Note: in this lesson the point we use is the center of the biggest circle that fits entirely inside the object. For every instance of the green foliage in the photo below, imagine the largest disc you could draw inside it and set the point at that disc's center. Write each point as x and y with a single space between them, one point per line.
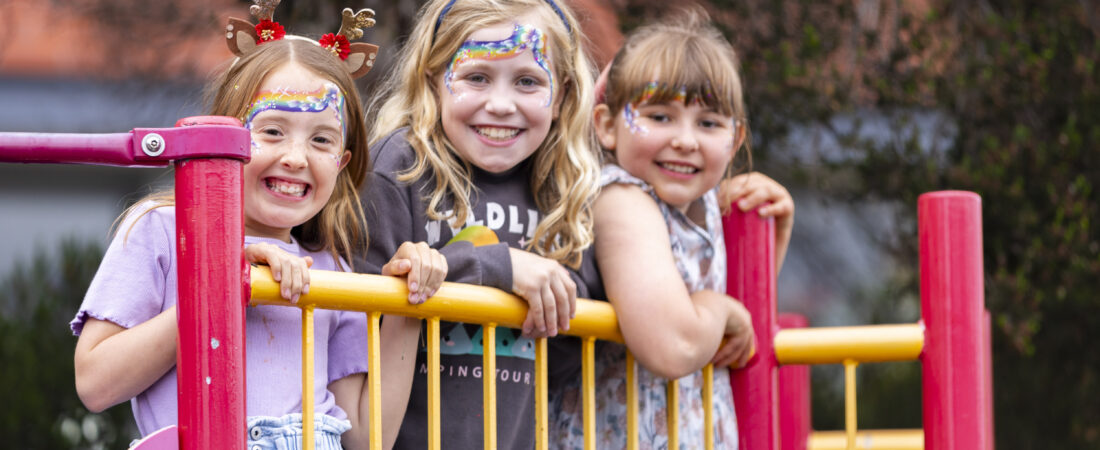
37 300
1018 84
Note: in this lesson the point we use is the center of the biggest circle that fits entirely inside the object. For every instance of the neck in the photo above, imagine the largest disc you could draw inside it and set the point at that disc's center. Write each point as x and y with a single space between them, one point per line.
264 231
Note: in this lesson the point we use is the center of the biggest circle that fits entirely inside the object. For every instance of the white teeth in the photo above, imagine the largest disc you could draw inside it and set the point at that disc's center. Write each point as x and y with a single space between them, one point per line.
497 133
679 168
288 188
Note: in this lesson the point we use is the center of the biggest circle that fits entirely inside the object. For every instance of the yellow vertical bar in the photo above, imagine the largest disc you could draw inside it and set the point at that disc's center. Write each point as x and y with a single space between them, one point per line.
307 377
850 401
588 379
488 375
708 406
374 377
542 417
433 384
631 402
673 394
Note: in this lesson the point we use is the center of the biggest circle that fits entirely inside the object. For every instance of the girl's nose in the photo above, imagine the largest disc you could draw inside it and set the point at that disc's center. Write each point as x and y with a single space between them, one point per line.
294 156
500 102
685 141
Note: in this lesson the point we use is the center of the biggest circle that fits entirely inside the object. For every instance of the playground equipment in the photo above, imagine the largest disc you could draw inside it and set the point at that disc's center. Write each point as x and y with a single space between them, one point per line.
208 154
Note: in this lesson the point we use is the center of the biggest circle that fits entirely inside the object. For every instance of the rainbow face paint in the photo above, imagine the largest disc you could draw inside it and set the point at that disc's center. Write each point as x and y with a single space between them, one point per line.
524 37
329 96
648 93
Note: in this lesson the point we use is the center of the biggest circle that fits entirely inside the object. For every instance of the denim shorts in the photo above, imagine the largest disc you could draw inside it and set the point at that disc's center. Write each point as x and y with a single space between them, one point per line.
285 433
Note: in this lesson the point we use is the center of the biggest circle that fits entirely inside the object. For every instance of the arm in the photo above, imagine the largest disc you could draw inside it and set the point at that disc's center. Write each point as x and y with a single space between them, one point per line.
398 216
114 364
751 190
422 266
127 336
671 332
399 338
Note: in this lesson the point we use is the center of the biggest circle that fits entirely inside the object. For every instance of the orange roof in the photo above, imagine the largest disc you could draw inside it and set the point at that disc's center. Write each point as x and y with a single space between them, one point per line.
89 39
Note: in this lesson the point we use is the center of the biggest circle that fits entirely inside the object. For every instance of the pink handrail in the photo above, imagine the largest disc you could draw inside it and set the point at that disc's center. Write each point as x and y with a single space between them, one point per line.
209 153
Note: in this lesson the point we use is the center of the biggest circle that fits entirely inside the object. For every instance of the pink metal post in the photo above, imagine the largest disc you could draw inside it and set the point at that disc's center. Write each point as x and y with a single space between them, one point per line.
750 250
210 239
952 298
794 395
208 152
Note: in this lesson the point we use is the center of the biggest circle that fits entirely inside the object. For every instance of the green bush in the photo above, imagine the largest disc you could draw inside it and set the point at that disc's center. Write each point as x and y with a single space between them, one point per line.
37 301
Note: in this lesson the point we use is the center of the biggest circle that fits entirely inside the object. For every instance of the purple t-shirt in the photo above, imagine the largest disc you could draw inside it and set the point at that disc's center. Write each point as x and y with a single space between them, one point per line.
137 280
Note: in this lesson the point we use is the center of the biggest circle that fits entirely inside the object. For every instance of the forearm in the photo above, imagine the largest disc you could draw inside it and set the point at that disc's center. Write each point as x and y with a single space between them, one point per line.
682 340
399 338
782 241
113 364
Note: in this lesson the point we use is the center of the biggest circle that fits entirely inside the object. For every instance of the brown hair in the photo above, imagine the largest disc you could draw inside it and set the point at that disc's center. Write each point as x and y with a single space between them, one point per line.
565 175
340 226
684 54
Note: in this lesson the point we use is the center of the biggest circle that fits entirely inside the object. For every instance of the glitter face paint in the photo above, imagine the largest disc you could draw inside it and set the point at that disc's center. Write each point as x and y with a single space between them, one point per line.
524 37
651 89
293 101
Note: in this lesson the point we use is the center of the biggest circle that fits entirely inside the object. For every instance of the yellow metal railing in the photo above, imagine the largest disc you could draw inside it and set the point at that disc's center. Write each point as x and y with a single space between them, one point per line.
851 346
377 295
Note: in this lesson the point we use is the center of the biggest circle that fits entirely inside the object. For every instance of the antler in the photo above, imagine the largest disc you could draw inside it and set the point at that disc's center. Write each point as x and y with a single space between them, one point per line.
352 24
263 9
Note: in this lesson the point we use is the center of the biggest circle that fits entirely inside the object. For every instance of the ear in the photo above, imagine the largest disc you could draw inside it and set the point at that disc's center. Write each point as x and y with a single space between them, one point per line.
345 159
739 134
361 58
566 84
240 36
605 126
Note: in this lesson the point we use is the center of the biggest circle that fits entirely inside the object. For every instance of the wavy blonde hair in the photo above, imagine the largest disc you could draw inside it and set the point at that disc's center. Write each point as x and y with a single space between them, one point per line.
340 227
565 175
684 53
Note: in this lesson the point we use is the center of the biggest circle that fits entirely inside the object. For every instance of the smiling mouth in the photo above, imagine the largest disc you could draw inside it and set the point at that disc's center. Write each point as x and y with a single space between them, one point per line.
287 187
678 168
497 133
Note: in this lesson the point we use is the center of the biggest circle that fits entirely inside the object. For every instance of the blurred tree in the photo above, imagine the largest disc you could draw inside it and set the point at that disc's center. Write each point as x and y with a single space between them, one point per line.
37 301
1000 97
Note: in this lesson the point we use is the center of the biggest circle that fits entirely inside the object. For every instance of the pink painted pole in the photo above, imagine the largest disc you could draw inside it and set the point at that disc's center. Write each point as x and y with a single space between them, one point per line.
750 250
794 395
952 298
987 360
210 364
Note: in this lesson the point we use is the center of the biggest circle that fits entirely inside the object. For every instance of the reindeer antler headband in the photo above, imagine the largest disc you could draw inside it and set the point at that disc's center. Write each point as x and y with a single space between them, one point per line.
242 36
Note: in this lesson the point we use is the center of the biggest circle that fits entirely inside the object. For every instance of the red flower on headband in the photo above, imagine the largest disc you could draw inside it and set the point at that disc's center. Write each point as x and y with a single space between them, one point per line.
337 44
269 30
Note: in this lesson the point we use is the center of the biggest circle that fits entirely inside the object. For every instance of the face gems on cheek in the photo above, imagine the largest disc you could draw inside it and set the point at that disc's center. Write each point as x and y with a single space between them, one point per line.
255 147
289 100
523 37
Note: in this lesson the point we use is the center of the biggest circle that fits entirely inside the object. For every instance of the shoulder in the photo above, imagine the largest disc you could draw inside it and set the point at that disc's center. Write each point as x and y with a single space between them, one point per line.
392 153
613 174
147 219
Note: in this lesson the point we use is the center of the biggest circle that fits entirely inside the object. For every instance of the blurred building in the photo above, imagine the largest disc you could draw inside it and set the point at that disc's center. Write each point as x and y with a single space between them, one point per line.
94 67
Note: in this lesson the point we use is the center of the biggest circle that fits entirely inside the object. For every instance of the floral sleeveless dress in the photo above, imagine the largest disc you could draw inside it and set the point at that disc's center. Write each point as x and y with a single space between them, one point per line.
700 255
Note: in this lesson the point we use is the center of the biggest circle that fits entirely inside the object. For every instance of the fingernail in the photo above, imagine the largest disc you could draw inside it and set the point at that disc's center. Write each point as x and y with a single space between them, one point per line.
305 290
413 286
294 300
412 298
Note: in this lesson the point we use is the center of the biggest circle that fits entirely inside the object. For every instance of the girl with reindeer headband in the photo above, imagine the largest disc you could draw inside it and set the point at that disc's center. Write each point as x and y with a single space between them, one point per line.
301 210
486 126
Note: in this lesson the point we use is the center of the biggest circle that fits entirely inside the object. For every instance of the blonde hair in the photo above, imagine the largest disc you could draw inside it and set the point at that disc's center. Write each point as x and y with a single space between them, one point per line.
340 227
565 173
685 54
